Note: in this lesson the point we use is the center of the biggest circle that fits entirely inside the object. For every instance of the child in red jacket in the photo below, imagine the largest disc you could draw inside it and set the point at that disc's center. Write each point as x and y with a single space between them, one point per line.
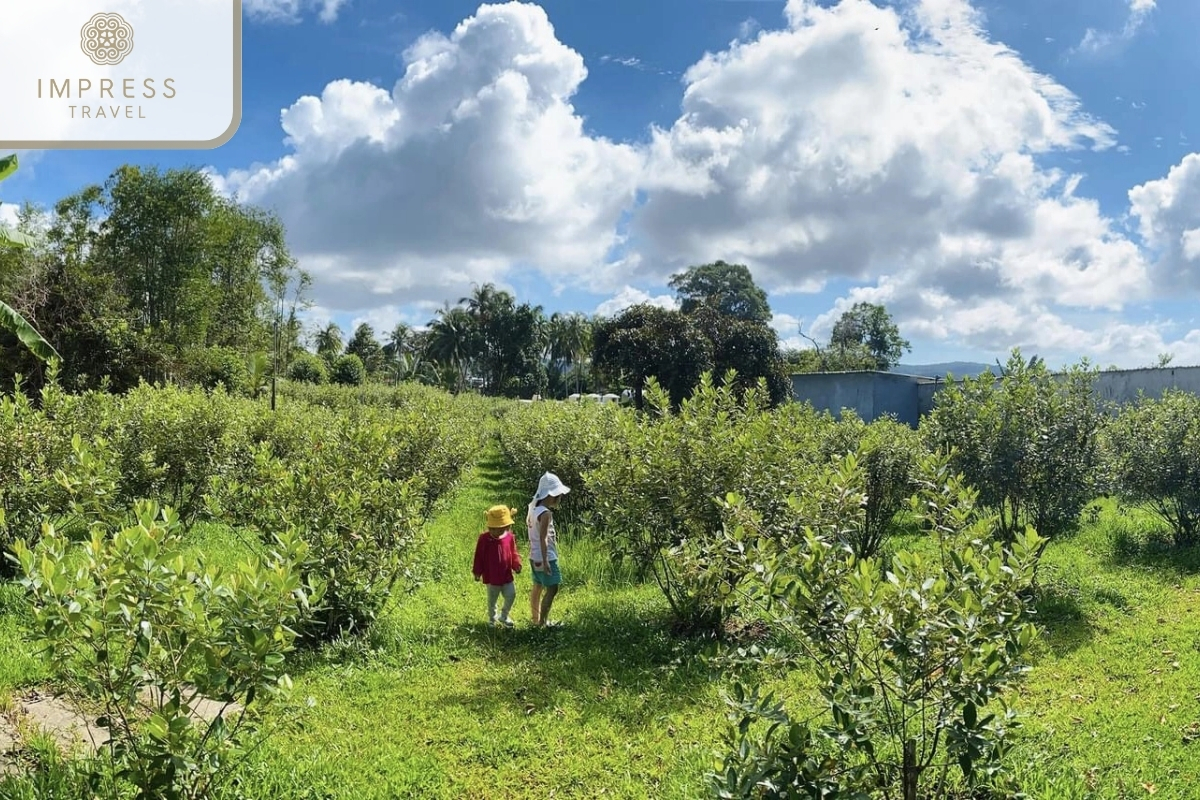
496 559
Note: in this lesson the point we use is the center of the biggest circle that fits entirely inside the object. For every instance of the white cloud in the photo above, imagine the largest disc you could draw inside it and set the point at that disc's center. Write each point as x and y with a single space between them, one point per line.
475 162
292 10
1168 214
8 214
629 296
1095 41
895 148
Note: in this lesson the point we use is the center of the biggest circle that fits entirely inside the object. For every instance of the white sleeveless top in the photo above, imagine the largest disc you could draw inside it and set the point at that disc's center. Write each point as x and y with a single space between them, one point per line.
535 543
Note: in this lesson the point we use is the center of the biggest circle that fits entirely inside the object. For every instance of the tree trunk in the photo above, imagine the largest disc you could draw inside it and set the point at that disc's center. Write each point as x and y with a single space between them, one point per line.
910 771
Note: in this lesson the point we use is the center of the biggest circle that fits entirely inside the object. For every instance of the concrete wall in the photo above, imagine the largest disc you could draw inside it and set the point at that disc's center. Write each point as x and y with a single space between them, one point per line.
869 394
908 397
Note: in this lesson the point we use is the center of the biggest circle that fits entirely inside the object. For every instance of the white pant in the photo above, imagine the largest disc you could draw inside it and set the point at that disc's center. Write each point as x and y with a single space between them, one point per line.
509 590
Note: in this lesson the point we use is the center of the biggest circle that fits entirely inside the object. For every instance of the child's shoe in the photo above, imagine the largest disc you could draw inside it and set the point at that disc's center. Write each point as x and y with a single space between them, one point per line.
508 623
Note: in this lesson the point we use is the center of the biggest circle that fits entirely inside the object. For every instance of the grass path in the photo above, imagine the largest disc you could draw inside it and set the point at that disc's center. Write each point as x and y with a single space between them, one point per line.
440 705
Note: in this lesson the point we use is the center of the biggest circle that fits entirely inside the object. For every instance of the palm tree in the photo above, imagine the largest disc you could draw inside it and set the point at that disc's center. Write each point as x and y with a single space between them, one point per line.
452 339
570 339
486 304
329 341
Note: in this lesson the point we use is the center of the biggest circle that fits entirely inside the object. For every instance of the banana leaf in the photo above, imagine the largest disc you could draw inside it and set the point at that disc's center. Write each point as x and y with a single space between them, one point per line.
12 321
8 165
9 236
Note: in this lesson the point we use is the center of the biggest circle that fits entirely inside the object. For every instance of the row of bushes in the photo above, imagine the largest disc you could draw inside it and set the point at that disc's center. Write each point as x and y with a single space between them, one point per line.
780 516
351 476
336 486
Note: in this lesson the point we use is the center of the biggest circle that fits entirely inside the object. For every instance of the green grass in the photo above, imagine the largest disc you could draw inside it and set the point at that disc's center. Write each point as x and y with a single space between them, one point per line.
440 705
435 704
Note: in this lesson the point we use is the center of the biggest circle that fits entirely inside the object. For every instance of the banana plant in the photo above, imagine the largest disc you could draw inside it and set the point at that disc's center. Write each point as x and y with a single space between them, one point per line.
10 320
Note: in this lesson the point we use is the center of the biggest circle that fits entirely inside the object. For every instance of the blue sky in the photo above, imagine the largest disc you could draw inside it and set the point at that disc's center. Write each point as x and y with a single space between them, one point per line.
580 151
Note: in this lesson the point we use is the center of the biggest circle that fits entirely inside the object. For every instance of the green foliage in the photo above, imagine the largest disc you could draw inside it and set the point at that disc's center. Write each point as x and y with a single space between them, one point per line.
307 368
876 462
866 333
9 319
1152 450
911 661
568 439
658 480
354 506
218 366
348 370
729 289
132 276
645 342
368 349
146 633
1027 441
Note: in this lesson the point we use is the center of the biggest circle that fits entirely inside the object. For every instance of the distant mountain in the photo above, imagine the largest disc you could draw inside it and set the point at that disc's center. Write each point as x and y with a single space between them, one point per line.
959 369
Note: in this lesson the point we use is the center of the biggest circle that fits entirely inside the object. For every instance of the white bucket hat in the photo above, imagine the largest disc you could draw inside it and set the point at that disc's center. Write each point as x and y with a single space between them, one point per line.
550 486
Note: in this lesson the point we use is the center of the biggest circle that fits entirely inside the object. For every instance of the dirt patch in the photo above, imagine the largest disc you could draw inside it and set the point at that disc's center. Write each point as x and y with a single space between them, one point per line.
56 717
72 730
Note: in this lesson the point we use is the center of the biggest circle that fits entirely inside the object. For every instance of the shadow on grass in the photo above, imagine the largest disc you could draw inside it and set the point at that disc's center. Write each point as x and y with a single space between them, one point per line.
617 662
1152 548
1065 626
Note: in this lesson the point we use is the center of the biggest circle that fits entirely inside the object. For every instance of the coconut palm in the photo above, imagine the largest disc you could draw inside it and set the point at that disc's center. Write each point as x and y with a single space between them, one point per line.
329 341
452 340
570 339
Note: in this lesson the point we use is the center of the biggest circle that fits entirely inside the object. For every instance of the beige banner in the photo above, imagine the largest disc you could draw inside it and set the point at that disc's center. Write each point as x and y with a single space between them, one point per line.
107 38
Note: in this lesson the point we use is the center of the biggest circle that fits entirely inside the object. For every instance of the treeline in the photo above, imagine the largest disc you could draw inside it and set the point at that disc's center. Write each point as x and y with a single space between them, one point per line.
154 276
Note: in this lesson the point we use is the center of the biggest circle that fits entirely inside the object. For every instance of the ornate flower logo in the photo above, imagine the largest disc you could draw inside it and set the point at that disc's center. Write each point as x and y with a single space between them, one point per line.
106 39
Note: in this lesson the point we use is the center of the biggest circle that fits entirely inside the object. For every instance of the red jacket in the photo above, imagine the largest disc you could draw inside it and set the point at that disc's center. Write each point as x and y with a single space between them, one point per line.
496 558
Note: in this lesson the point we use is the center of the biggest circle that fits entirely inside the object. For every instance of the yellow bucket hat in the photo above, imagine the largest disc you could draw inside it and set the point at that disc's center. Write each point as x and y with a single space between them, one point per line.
499 517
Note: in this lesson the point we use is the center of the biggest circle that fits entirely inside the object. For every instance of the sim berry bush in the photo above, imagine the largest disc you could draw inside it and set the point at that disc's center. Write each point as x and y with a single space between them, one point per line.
912 658
136 628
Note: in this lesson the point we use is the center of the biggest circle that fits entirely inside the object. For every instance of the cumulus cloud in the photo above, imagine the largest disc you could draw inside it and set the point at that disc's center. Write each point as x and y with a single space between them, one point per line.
895 148
473 163
1168 215
629 296
890 145
8 214
292 10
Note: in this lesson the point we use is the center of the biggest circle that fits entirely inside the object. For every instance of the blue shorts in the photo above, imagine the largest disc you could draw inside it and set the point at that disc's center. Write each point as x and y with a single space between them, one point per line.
551 578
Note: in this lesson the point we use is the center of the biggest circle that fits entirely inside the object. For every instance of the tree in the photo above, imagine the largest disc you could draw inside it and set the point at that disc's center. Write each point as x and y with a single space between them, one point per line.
645 341
1028 441
364 345
329 342
866 332
728 288
452 341
569 340
749 347
10 320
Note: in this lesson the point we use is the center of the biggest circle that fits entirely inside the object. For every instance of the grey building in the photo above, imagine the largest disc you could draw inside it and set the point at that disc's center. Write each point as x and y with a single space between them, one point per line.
872 395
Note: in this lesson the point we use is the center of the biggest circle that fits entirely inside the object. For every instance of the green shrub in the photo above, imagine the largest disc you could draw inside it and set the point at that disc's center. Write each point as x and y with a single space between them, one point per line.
348 370
1152 450
145 633
878 461
357 509
1028 442
565 438
307 368
912 662
659 479
210 367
